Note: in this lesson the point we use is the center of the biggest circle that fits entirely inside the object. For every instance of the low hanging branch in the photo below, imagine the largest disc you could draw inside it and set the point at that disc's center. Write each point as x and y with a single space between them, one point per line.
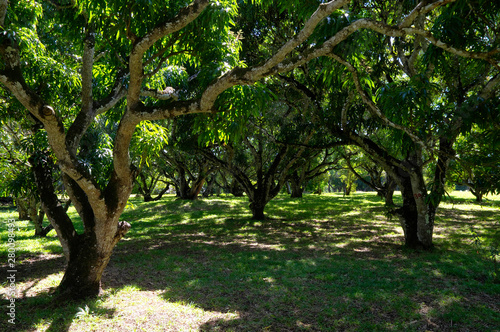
372 106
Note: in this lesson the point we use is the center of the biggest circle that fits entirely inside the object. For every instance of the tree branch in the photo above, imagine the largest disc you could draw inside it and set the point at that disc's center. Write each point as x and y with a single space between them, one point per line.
371 105
422 8
87 112
182 19
4 4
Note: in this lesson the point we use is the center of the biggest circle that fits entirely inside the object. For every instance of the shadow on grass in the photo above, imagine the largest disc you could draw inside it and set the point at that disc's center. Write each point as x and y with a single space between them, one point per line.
335 268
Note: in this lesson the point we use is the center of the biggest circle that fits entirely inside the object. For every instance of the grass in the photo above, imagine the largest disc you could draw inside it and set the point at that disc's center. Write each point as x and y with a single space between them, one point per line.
320 263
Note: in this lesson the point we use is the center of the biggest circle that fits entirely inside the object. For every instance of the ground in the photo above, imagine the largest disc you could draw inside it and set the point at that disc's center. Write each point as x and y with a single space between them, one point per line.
320 263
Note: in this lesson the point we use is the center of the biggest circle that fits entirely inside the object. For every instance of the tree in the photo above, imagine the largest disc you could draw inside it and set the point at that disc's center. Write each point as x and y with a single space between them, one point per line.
70 63
374 177
186 168
427 105
263 158
22 149
422 87
478 161
147 182
311 171
147 145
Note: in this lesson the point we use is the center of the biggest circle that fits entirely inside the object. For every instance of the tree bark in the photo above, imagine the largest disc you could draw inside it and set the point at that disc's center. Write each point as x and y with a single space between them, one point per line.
87 254
257 205
297 189
87 260
388 192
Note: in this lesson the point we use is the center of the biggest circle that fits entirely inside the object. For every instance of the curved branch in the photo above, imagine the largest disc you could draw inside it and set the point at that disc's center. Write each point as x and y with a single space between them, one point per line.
4 4
278 63
422 8
182 19
371 105
487 56
87 113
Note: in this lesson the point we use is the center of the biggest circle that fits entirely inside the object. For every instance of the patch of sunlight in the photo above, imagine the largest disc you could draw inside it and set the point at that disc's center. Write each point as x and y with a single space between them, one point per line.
468 207
351 213
362 249
448 300
437 273
215 216
342 244
359 295
269 280
193 283
35 287
43 325
130 288
132 309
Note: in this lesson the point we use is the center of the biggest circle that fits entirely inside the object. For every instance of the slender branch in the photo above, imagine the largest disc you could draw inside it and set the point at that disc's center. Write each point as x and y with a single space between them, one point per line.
487 56
182 19
87 113
4 4
422 8
371 105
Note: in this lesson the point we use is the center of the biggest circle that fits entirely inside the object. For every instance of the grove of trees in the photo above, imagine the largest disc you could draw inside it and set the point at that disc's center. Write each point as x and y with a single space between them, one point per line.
101 97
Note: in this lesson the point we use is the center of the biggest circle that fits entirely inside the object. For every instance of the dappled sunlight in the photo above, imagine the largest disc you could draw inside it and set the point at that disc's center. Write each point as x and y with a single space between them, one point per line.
135 309
337 265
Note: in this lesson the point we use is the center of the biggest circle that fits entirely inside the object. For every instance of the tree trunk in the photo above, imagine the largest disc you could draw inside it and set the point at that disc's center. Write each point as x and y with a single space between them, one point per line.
297 189
236 189
390 187
257 205
210 188
478 194
479 198
87 254
416 216
87 260
147 196
408 215
41 231
22 208
347 189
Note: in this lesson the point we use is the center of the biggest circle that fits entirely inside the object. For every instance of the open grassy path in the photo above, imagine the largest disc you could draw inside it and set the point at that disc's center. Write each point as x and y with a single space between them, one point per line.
321 263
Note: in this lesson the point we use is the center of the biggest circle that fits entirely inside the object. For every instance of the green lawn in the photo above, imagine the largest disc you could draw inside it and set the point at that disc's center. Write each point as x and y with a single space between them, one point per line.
320 263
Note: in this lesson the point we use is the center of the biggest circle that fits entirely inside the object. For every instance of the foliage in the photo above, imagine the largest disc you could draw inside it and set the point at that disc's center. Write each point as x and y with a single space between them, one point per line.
478 163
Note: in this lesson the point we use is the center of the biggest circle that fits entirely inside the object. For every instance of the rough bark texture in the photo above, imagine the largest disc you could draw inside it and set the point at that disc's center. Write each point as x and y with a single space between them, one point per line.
87 260
296 190
257 205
